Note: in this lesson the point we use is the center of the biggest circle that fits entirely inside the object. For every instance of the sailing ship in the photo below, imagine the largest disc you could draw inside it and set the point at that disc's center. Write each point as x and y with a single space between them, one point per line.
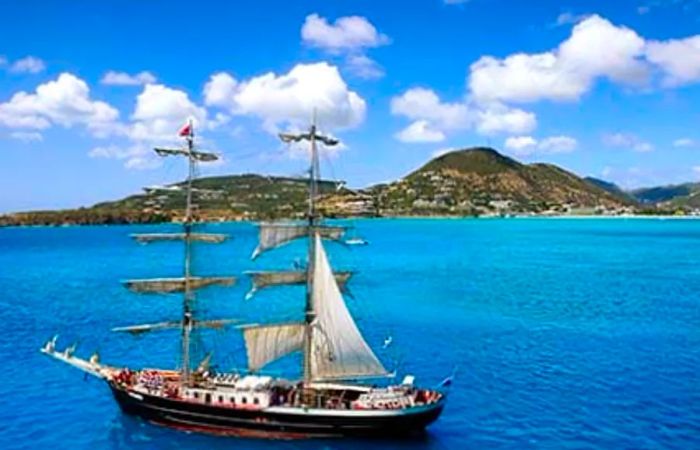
332 396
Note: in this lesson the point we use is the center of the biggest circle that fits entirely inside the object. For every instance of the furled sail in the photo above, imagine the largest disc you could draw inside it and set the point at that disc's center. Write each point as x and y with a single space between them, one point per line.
265 279
338 350
267 343
197 237
289 138
147 327
199 156
170 285
216 324
273 235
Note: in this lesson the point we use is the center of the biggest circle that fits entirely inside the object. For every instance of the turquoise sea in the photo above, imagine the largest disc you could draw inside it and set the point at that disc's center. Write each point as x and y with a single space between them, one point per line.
566 334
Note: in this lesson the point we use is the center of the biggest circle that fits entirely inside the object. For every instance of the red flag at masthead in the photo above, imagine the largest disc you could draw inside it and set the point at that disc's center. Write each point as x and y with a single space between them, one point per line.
186 129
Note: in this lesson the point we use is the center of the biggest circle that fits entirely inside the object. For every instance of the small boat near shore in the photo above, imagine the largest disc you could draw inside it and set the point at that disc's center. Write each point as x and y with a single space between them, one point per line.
356 241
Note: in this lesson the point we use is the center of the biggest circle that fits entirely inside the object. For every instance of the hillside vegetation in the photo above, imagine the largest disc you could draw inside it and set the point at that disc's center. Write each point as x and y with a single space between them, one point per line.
476 181
483 181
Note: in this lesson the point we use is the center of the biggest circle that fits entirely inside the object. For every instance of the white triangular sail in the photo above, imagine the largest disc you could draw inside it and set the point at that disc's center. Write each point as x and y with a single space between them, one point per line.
267 343
338 350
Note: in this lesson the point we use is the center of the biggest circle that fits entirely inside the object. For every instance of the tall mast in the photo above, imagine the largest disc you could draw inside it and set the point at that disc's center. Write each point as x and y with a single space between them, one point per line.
309 312
187 284
313 223
188 293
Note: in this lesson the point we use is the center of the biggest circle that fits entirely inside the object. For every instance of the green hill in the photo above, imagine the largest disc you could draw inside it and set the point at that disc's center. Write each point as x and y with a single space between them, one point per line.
474 181
240 196
233 197
483 181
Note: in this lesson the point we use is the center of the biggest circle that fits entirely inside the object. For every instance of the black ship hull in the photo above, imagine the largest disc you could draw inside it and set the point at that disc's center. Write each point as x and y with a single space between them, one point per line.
284 423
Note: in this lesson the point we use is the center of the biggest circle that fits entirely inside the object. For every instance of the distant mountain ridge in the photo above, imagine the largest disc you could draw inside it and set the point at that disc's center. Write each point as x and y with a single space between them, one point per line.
472 181
686 195
612 188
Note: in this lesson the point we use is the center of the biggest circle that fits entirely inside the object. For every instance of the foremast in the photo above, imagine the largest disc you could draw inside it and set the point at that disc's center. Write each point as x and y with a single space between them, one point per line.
188 297
189 283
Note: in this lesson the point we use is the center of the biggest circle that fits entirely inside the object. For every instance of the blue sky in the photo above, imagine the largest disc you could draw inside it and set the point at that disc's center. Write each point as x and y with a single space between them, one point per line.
610 89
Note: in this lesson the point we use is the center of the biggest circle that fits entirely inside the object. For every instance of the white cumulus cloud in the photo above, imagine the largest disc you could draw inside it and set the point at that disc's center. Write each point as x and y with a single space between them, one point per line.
345 34
498 118
65 101
431 115
27 136
420 131
528 145
28 64
595 49
627 140
220 89
136 155
684 142
364 67
679 59
424 104
520 143
159 112
114 78
351 36
558 144
290 99
568 18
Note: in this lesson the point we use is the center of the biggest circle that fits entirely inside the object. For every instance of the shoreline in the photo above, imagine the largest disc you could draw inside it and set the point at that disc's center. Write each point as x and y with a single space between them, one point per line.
398 217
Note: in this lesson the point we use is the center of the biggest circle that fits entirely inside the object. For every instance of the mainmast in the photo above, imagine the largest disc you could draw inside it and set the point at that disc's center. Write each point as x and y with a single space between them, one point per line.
309 313
313 221
331 344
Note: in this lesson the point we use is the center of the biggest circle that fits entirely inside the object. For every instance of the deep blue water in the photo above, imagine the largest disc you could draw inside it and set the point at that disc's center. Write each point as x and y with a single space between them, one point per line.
565 333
